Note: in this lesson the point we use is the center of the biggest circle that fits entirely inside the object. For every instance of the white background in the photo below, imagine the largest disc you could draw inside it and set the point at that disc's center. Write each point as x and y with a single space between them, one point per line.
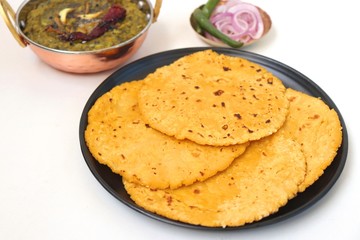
48 192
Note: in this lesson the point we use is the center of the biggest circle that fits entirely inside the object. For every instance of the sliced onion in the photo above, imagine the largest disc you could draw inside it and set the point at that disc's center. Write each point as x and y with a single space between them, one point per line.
239 20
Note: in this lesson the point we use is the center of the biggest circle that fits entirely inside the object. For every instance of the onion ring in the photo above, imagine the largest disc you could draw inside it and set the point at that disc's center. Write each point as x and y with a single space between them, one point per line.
239 20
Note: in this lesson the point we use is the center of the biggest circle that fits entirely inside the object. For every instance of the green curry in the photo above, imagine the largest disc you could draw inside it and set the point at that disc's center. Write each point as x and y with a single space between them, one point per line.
79 25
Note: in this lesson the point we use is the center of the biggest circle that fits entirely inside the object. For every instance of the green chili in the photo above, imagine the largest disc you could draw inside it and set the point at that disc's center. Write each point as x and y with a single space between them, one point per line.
209 6
206 25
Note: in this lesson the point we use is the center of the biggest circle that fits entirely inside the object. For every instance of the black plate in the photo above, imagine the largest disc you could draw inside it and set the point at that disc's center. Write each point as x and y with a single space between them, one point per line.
291 78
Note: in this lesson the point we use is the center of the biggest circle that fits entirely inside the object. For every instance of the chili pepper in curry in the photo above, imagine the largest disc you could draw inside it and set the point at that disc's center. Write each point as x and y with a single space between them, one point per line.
115 14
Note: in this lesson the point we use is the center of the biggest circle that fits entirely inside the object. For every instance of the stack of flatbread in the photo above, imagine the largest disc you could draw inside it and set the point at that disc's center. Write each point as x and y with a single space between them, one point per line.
212 140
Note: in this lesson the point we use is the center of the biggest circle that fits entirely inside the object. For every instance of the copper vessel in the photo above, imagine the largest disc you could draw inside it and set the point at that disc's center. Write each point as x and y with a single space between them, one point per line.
78 61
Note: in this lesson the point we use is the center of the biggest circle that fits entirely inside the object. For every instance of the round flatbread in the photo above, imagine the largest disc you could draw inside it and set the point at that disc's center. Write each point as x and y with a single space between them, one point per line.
117 136
317 128
255 185
213 99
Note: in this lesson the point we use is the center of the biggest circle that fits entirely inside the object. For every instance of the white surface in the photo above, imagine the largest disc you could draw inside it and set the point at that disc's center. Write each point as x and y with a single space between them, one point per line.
46 188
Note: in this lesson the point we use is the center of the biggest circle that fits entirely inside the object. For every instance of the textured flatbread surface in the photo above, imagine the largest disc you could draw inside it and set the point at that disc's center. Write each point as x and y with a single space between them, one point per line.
117 136
255 185
213 99
175 139
317 128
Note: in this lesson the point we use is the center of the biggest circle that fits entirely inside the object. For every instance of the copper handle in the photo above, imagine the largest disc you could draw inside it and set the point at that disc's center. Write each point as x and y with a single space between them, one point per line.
8 15
157 10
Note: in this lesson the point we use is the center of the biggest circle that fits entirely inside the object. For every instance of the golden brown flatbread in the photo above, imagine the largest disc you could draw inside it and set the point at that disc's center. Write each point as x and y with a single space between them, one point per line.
118 137
213 99
317 128
255 185
174 136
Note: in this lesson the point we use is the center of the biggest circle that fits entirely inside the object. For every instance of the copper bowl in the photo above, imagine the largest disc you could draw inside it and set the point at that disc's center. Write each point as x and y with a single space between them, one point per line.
78 61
